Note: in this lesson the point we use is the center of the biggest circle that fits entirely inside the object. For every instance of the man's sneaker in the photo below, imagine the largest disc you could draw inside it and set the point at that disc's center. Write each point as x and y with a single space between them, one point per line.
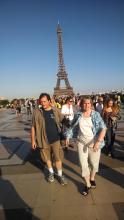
62 180
66 149
93 184
50 177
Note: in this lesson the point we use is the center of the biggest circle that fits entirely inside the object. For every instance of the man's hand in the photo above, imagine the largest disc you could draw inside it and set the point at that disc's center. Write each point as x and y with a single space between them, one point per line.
33 143
67 142
34 146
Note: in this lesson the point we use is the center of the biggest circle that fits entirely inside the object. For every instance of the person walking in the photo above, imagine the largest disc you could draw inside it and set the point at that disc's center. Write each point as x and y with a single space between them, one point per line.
45 134
99 105
89 129
68 113
110 116
18 108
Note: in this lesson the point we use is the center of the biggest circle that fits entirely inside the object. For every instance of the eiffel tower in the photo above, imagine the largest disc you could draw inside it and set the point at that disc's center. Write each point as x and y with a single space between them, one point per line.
62 74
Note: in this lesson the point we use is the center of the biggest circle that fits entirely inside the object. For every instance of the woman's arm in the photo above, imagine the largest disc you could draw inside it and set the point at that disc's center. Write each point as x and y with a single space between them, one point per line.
101 131
99 139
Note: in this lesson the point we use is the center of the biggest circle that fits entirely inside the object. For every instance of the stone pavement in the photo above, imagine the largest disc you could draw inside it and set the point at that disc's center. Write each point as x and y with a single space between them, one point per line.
25 194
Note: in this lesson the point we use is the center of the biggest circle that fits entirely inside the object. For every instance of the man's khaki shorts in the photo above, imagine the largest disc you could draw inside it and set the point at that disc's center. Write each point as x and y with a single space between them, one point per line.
53 153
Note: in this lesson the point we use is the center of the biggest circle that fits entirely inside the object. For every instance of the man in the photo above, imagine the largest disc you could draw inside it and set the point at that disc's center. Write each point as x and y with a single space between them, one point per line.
45 133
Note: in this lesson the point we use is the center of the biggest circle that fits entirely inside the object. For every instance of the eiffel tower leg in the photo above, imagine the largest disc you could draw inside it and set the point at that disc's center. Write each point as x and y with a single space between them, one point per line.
58 83
67 83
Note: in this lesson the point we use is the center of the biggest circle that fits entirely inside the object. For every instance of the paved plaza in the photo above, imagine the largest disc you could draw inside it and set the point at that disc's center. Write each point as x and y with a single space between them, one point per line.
25 194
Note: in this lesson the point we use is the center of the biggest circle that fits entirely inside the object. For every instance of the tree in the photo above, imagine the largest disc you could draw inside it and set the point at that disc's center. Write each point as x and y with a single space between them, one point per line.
4 103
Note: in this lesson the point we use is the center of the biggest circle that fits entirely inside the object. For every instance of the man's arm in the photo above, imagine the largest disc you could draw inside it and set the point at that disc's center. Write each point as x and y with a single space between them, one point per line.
33 143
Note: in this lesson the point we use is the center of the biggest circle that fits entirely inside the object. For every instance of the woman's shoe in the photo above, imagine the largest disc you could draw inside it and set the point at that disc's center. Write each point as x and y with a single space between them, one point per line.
86 191
93 184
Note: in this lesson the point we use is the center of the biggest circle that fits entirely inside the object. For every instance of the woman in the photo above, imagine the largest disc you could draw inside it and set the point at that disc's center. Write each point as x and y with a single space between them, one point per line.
89 129
110 115
68 112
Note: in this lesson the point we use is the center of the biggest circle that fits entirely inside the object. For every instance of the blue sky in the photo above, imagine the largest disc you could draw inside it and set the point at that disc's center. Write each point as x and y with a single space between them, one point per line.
93 45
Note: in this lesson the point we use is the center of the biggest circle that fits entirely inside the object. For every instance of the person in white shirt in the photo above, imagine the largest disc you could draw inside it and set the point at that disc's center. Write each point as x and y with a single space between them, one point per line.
68 111
99 105
89 129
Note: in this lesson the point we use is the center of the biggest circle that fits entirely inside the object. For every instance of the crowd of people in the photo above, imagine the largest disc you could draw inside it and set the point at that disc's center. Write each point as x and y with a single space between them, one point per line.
91 121
23 106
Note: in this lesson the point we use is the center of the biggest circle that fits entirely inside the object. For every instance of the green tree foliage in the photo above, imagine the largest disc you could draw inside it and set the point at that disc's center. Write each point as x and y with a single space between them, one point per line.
4 103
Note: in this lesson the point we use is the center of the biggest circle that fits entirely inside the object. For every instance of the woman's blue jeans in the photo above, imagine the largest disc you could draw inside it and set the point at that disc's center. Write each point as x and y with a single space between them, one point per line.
109 139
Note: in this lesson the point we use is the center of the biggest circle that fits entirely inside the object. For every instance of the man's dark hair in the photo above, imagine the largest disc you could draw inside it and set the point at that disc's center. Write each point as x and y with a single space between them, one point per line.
68 99
45 94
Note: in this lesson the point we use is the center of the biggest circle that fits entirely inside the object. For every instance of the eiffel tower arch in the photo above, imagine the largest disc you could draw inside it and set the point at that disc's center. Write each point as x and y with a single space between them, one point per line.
62 74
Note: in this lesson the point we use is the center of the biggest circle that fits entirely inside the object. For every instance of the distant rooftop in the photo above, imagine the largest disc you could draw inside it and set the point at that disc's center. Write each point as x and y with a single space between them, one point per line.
2 98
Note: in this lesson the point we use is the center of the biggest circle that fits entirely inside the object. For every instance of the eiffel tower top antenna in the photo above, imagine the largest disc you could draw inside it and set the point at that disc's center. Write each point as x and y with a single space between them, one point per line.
60 49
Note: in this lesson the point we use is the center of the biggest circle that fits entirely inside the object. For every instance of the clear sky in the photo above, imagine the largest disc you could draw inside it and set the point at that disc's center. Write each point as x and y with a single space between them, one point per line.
93 45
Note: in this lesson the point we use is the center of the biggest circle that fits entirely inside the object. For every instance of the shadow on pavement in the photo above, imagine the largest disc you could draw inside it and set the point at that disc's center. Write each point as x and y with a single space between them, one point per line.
34 158
119 208
111 175
104 171
9 198
15 146
71 156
